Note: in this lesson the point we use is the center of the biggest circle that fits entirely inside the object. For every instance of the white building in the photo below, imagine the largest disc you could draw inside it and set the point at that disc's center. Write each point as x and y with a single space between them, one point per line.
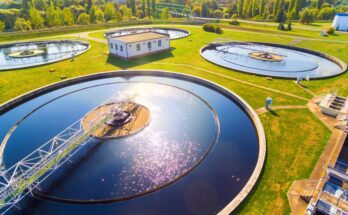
340 22
138 45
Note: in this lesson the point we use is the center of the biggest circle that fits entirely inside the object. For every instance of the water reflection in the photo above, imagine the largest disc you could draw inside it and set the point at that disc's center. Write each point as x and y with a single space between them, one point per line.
51 51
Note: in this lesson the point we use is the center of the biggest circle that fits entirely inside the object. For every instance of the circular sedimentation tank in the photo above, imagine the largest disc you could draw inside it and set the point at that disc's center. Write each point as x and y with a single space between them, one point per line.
197 144
30 54
273 60
174 33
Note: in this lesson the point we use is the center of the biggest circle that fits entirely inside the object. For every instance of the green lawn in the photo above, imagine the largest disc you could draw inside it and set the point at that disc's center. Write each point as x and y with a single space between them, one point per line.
292 151
339 83
296 32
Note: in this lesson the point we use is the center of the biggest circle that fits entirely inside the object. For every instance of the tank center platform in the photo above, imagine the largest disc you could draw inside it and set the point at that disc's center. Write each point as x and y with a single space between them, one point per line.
27 53
266 56
128 120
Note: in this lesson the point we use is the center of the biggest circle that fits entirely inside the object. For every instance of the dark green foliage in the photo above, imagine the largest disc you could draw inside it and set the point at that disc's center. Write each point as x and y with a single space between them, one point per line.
307 16
331 30
281 26
289 28
212 28
9 17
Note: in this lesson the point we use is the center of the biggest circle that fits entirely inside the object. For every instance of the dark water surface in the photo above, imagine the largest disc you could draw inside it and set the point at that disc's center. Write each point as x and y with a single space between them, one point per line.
194 157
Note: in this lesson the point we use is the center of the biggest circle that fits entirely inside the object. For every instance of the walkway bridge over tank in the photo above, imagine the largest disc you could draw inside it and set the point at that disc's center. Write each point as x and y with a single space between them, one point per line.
27 174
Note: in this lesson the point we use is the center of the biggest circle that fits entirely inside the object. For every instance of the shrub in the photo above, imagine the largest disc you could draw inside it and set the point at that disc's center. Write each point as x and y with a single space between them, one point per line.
234 20
330 30
289 28
281 26
218 30
209 27
212 28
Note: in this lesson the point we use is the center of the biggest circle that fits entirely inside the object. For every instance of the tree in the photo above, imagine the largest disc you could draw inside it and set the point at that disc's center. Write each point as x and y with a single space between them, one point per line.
22 25
261 7
165 13
68 17
139 14
92 16
148 8
109 11
307 16
25 8
275 8
218 14
298 6
226 15
143 6
118 16
153 5
326 13
83 19
253 8
90 4
99 14
2 26
126 12
77 10
50 15
240 8
319 3
40 4
132 7
280 16
59 17
281 26
36 20
291 6
289 28
197 10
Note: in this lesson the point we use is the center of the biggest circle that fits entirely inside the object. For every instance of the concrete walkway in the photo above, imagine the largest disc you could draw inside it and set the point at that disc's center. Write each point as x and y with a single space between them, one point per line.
264 110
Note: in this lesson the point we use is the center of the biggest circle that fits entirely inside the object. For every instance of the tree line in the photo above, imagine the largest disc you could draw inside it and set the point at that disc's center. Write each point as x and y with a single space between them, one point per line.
39 14
275 10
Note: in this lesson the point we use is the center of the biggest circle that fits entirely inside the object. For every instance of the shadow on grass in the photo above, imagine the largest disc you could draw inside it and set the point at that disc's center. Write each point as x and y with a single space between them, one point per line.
273 113
124 64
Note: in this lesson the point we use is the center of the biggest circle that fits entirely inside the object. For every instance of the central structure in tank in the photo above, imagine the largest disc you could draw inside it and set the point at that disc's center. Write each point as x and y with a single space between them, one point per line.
266 56
125 118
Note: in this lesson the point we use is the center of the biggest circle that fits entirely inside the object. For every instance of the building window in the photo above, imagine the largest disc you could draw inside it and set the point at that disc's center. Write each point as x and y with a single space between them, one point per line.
121 48
111 45
116 47
138 47
159 43
149 45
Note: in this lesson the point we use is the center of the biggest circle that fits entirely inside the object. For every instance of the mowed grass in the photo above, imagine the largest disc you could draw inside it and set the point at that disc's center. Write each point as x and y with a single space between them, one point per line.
297 31
336 84
295 140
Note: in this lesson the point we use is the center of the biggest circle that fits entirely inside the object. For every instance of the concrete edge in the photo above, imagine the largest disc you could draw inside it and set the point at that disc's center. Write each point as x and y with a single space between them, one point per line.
336 60
135 28
44 41
119 73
